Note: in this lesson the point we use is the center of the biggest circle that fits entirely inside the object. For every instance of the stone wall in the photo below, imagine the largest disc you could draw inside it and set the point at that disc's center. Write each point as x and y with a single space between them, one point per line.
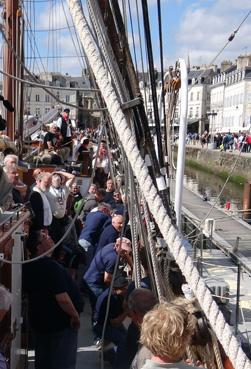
220 163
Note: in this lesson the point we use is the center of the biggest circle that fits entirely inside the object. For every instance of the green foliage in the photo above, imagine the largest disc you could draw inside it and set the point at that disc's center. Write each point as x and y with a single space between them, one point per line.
237 179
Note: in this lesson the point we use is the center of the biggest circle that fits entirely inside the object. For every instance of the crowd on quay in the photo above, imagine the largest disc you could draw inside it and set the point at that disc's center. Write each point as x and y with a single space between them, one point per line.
70 233
223 141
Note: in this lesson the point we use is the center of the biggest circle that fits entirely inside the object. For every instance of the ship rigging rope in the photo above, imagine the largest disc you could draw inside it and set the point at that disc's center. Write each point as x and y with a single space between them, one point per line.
169 231
230 38
41 85
51 87
141 53
219 195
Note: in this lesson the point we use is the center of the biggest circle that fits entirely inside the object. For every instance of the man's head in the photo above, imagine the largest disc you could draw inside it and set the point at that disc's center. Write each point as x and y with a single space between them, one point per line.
92 188
56 180
39 242
53 128
117 197
120 285
75 189
100 194
104 208
109 185
123 246
117 222
85 142
43 181
166 331
12 174
10 160
36 173
5 301
66 114
140 301
102 151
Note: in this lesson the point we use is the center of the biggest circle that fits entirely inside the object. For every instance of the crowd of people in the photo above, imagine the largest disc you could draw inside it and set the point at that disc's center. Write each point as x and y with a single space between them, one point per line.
71 234
223 141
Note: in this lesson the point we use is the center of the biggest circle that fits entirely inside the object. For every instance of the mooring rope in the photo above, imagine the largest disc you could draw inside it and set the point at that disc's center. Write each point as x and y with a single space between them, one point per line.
170 233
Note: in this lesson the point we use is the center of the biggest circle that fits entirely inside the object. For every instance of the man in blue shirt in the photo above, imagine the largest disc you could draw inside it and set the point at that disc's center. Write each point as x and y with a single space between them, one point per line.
114 330
111 232
99 274
94 225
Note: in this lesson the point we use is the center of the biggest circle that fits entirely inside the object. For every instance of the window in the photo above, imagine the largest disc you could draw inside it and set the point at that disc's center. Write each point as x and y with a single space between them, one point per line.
37 111
191 96
28 98
46 110
37 98
190 112
150 99
47 98
198 95
58 95
197 111
67 98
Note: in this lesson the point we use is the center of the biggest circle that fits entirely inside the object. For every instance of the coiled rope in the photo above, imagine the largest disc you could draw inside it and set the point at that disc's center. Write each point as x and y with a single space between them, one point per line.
170 233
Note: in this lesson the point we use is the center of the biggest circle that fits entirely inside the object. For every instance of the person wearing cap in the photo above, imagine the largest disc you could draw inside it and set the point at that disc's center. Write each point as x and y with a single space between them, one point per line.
115 330
65 126
99 274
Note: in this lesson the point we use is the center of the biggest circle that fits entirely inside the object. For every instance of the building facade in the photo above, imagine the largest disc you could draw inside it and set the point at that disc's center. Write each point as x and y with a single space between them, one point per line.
199 83
37 101
231 98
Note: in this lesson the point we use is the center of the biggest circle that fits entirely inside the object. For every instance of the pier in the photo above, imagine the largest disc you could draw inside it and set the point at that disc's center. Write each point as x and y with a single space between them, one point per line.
231 234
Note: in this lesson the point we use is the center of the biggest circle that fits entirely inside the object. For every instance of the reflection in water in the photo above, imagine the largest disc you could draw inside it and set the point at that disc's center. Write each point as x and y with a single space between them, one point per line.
209 186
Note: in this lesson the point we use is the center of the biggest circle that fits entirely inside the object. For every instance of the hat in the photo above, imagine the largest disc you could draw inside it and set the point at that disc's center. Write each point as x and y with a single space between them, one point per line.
120 282
67 110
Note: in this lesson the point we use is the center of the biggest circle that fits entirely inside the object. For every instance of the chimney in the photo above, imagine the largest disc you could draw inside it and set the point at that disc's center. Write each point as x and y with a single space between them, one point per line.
243 61
225 65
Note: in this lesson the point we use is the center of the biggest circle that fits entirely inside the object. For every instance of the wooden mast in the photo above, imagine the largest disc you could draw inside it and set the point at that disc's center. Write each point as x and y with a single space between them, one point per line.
12 31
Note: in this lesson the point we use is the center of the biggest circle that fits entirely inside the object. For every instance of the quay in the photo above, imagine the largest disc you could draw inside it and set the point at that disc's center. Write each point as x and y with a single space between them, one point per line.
231 235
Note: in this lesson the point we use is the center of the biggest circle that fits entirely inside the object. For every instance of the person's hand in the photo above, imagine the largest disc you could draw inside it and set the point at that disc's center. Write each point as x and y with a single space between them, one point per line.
198 363
75 322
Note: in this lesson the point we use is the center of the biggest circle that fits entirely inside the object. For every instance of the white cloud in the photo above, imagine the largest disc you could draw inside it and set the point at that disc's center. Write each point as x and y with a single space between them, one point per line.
203 31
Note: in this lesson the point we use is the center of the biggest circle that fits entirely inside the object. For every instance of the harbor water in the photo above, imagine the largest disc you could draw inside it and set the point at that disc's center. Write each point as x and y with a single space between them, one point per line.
209 187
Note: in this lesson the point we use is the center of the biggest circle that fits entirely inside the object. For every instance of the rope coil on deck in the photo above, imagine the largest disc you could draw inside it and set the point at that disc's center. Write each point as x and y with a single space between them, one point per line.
170 233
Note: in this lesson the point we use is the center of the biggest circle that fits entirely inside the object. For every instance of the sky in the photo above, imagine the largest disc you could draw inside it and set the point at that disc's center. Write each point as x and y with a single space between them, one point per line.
198 29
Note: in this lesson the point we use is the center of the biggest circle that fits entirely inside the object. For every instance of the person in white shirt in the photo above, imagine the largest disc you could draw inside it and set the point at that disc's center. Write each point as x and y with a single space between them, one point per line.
57 197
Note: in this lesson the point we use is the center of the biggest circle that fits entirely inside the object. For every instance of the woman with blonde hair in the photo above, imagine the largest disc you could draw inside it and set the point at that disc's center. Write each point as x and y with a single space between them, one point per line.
167 331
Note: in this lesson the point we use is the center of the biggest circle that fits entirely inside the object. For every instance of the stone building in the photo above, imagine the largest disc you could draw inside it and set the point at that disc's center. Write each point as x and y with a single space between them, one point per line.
37 102
199 82
231 97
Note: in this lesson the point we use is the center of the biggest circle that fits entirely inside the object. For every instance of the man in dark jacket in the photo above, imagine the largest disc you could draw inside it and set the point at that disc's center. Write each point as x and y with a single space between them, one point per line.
111 232
92 200
54 306
39 202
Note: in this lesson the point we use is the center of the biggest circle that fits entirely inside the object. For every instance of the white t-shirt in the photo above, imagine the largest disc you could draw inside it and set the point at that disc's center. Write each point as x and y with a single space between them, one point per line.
58 198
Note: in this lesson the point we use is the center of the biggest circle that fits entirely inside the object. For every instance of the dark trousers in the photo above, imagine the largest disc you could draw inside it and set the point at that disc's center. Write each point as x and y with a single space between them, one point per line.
117 335
56 350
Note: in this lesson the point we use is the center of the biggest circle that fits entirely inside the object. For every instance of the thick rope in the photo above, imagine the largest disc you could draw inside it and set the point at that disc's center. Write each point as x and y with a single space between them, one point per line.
170 233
